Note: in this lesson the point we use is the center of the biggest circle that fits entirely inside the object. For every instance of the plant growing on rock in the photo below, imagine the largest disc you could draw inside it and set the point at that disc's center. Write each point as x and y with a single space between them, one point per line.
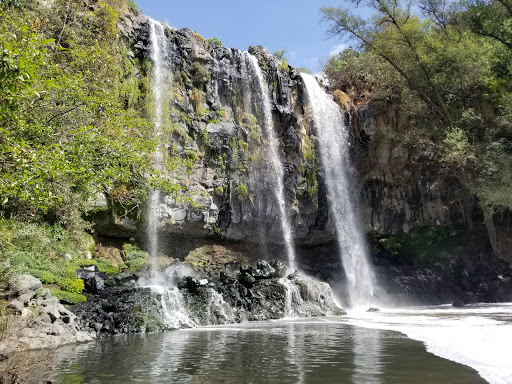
214 42
241 192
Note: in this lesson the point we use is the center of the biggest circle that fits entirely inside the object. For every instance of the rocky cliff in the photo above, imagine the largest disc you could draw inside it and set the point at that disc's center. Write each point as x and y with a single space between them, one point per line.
213 119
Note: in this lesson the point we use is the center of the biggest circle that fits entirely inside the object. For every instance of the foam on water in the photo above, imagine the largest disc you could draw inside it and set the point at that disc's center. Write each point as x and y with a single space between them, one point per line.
478 336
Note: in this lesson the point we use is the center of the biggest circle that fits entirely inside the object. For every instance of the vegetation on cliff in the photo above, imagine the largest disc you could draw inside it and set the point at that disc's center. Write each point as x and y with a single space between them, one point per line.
73 117
448 66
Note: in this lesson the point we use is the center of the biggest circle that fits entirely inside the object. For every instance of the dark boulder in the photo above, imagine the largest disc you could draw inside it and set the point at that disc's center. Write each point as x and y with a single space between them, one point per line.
93 281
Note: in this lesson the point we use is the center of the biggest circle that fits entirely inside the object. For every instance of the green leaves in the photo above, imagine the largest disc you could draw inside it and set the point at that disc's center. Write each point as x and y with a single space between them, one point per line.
65 134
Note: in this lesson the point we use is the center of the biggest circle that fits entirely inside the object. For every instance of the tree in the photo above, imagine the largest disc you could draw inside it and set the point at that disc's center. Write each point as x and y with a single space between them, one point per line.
66 131
451 82
280 54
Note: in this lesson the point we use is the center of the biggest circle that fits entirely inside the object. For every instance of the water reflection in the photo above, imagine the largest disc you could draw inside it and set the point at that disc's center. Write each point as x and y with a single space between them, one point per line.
313 351
367 352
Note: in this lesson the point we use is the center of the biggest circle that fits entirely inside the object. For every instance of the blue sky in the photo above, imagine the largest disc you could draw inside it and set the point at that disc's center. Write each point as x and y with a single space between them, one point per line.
294 25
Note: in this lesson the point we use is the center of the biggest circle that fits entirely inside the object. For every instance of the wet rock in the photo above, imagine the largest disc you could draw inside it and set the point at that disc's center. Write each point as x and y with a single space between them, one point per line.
263 271
247 281
127 279
373 309
189 283
93 281
279 268
458 304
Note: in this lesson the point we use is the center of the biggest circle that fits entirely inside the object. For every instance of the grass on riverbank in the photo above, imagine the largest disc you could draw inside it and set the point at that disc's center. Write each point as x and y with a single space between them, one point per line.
51 254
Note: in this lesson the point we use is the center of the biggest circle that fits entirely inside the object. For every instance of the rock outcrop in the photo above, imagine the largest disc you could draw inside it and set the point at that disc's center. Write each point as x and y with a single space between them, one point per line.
37 319
183 298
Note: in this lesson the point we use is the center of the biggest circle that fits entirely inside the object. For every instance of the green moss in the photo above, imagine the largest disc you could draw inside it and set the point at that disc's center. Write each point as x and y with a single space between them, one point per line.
106 266
190 154
424 246
243 145
68 297
134 257
219 191
197 97
221 114
241 192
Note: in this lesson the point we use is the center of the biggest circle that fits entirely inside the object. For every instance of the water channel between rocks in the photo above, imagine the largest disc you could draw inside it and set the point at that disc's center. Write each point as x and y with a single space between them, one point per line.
359 348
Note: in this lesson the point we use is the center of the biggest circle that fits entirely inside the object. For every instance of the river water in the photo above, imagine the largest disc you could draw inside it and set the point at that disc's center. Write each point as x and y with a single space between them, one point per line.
420 345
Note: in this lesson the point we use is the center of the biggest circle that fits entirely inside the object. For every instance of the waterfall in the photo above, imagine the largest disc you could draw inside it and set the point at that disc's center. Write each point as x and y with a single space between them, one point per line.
271 154
333 144
159 83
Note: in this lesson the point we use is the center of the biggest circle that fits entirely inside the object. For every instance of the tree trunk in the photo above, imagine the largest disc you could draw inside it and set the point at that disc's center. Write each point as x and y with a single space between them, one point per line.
466 210
491 230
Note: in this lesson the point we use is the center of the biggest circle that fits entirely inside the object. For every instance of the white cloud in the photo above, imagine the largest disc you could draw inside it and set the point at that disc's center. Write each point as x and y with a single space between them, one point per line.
337 49
291 55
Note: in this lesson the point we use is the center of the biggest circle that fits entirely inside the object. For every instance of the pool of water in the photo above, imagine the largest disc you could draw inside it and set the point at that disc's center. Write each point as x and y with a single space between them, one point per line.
324 350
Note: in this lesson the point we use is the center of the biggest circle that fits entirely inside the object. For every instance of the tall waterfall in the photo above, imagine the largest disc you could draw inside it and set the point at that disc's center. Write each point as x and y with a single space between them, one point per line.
159 83
333 141
271 153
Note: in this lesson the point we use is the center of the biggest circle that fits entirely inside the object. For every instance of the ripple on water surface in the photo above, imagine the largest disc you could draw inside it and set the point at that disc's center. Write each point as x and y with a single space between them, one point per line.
315 351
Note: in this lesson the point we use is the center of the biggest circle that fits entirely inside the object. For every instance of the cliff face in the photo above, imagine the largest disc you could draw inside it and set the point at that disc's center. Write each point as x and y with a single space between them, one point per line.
213 117
401 185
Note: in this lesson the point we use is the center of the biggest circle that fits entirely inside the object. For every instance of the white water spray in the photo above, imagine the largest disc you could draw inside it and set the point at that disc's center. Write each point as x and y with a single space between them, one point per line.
271 153
333 142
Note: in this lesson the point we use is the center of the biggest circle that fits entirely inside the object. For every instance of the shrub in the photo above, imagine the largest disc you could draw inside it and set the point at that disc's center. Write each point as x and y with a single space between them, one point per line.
68 297
219 191
284 66
241 192
190 154
134 257
72 285
214 42
304 70
200 73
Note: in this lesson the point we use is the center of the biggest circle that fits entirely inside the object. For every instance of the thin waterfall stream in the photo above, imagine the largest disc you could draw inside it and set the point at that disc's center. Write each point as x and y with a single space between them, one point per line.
333 141
160 78
272 155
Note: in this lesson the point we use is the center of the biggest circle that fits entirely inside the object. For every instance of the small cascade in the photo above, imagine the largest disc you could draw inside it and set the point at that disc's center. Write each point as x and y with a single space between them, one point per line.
333 142
218 311
292 298
307 297
175 312
271 153
160 78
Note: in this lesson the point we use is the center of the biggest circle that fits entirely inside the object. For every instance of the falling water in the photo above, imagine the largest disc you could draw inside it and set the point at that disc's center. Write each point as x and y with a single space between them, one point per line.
159 82
332 135
272 154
